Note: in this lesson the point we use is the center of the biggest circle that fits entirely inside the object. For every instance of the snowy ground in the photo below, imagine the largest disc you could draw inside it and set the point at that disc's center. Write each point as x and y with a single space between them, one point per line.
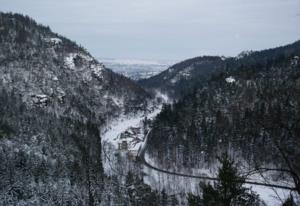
159 180
111 136
272 197
171 183
122 124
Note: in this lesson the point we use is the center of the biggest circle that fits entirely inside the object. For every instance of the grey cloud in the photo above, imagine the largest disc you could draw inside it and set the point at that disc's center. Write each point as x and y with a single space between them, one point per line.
169 29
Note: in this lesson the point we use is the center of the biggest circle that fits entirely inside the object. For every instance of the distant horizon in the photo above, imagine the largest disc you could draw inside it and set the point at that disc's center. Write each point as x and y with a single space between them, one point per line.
178 60
167 30
139 60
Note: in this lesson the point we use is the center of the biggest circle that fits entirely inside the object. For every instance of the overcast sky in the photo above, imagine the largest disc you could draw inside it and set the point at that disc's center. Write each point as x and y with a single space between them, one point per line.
167 29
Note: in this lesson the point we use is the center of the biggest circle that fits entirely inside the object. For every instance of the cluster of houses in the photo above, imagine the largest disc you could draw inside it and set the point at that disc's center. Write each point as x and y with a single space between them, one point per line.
128 140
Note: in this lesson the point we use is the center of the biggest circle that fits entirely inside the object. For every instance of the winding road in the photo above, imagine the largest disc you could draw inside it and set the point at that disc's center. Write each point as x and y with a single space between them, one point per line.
141 158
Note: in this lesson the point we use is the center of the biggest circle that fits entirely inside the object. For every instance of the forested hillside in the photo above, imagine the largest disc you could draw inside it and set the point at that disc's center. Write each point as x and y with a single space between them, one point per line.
55 99
181 78
249 110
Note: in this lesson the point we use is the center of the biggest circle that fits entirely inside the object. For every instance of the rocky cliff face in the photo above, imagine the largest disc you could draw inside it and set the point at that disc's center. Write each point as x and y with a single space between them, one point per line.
50 71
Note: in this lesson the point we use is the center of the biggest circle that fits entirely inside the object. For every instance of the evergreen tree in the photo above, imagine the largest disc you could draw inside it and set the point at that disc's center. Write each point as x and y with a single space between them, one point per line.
164 198
194 200
289 202
227 191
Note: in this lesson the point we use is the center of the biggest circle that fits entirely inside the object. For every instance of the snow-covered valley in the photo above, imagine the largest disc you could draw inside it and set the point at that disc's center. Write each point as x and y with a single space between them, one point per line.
203 131
126 136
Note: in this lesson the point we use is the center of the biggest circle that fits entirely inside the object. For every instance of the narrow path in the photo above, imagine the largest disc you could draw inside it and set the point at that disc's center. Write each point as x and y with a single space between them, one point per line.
141 158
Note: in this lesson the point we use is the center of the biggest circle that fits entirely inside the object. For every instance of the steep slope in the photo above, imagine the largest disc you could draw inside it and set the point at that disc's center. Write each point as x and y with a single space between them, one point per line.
250 111
54 100
49 70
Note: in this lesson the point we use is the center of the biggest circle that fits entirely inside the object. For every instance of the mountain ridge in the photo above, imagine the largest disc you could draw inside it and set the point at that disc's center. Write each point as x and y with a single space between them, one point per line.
189 74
